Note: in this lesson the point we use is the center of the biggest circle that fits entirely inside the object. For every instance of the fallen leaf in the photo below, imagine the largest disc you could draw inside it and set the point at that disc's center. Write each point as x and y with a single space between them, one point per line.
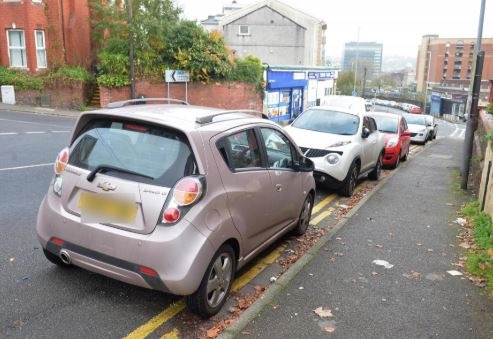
323 313
430 249
482 266
339 254
490 252
374 273
465 245
413 275
329 329
213 332
378 246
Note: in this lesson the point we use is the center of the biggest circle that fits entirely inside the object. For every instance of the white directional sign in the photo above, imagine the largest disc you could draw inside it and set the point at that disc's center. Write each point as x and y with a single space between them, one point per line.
177 76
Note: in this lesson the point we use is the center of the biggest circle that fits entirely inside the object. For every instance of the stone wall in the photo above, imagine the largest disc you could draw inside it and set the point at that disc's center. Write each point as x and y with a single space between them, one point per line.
59 95
481 160
227 95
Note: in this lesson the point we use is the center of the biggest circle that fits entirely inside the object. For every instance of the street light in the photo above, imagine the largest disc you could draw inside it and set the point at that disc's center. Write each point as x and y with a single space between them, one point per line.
427 80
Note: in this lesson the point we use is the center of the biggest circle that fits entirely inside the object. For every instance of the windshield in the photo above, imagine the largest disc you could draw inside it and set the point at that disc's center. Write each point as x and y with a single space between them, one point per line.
328 121
386 124
415 119
143 153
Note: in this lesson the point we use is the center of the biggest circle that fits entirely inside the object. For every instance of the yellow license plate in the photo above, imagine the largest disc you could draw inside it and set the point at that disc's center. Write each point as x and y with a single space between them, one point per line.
108 208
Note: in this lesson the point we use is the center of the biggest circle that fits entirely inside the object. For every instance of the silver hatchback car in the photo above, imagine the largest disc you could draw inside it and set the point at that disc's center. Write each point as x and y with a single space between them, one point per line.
173 197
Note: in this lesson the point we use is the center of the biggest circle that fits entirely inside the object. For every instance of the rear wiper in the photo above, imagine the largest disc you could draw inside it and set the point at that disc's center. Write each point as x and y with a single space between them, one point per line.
106 168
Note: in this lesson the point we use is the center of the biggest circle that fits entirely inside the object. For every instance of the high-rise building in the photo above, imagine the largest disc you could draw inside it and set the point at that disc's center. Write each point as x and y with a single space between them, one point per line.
363 55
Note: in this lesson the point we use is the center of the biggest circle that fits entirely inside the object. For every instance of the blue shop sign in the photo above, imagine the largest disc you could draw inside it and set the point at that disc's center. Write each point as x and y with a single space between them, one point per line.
285 79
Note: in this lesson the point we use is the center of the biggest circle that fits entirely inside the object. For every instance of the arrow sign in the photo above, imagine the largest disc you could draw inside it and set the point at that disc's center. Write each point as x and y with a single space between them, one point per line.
177 76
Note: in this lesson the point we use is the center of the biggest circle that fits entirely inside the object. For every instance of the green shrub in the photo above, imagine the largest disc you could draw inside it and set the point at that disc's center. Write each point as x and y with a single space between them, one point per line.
489 108
248 69
69 74
112 80
20 80
113 63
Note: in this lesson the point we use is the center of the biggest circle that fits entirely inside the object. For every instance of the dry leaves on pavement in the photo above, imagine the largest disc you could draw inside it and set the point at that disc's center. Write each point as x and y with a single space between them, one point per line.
323 313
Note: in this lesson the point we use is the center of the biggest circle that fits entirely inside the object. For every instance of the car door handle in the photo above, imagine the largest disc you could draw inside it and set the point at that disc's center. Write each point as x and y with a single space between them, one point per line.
278 187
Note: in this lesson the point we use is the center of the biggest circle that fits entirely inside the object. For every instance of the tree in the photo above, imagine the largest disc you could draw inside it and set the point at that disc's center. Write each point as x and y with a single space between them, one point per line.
345 82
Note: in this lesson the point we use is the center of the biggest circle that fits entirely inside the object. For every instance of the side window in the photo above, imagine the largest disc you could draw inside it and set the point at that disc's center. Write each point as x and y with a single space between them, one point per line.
404 124
373 125
241 150
279 149
366 123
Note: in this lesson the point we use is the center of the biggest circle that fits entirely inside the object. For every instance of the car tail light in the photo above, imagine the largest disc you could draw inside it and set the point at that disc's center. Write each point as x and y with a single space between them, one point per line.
186 192
61 161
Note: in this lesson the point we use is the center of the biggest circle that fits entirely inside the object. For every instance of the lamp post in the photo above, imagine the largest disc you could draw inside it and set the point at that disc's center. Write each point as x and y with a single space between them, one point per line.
427 80
356 68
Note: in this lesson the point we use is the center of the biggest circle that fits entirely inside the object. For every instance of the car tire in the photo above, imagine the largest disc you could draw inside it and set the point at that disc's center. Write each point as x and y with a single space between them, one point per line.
216 284
55 259
305 215
398 160
377 170
406 156
351 180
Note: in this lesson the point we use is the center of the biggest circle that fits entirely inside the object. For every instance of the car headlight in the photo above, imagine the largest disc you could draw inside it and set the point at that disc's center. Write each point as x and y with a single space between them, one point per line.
340 143
332 158
422 130
392 142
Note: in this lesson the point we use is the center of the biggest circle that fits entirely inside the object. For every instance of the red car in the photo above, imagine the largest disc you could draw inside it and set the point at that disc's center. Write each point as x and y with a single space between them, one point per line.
397 137
415 109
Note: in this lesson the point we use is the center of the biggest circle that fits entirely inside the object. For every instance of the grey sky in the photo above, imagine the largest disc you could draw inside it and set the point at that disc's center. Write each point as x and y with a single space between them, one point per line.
398 24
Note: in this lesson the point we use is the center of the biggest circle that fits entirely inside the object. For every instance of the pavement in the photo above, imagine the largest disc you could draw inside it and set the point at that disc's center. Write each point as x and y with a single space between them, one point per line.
40 110
409 224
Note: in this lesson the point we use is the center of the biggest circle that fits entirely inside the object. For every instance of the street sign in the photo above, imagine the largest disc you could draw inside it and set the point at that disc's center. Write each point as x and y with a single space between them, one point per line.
322 75
177 76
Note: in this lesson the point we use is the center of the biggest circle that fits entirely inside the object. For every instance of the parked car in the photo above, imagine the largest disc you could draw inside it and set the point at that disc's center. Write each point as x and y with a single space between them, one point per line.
343 143
397 137
174 198
415 109
432 126
417 125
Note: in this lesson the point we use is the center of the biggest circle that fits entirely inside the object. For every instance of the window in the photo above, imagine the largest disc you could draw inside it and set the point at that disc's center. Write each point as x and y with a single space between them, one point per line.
244 30
240 150
39 37
279 150
17 48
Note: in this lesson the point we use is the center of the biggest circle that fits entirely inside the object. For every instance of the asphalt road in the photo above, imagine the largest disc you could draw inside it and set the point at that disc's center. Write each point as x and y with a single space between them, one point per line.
37 299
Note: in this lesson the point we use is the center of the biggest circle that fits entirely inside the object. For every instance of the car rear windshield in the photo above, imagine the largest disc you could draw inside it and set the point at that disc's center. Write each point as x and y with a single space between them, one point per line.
328 121
415 119
146 150
386 124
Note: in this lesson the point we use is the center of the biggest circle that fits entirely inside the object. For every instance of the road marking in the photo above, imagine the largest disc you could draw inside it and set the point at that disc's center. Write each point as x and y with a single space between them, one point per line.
174 334
171 311
322 216
60 131
36 132
323 203
24 167
8 133
168 313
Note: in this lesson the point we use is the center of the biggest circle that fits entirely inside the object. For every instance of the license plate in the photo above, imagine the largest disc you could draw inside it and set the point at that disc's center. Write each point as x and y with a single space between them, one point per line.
106 208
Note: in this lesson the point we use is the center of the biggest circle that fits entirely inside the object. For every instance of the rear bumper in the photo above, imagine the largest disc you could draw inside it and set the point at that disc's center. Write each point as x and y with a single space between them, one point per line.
178 254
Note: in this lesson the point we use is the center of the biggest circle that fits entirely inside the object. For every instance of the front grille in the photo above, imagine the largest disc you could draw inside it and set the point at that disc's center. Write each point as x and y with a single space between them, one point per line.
314 153
414 134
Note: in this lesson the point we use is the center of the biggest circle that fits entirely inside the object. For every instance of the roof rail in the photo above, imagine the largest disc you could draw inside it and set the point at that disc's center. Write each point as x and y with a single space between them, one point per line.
207 119
118 104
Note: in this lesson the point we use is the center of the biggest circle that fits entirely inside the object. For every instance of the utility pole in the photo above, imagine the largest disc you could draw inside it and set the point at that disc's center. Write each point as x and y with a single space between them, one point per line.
364 83
473 113
356 68
131 49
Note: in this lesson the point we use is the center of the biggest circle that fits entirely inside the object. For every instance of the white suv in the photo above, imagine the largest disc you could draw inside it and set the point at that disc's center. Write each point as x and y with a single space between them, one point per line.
343 142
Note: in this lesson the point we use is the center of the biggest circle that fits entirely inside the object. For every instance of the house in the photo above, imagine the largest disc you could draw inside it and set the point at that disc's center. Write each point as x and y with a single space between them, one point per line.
41 34
276 33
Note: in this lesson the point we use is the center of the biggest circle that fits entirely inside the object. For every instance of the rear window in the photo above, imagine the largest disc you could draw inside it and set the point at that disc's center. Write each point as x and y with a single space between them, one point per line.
156 155
386 124
415 119
328 121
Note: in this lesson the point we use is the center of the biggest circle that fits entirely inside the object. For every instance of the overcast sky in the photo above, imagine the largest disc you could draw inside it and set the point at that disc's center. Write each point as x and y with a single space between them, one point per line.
398 24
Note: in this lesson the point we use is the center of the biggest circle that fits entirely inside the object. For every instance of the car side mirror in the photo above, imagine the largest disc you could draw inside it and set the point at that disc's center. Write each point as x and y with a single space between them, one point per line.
365 133
304 165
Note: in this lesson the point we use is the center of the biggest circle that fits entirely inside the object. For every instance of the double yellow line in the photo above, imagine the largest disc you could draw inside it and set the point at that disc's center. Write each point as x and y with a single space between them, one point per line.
172 310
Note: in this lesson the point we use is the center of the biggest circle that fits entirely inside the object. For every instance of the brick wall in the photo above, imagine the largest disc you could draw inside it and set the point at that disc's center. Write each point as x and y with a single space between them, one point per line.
59 95
228 95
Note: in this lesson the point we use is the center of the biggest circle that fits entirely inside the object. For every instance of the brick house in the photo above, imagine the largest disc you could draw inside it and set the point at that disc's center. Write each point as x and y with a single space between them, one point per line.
40 34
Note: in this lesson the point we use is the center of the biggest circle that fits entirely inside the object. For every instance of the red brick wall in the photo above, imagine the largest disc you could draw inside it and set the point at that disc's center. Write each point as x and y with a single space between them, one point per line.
59 95
72 48
228 95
